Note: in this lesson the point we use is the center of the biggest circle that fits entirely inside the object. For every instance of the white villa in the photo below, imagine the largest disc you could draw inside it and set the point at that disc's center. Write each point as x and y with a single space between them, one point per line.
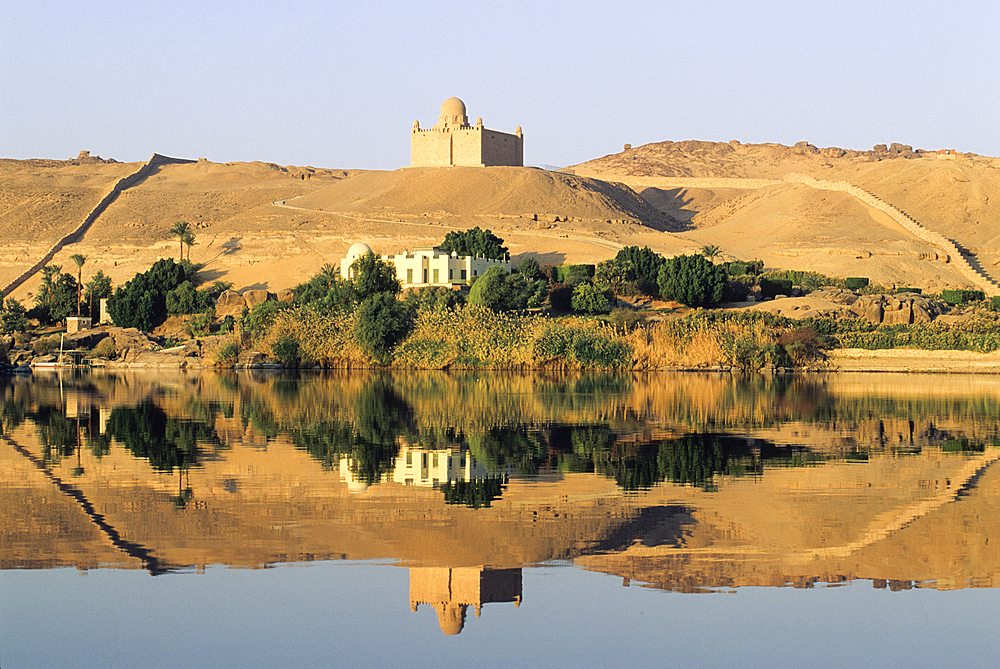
427 267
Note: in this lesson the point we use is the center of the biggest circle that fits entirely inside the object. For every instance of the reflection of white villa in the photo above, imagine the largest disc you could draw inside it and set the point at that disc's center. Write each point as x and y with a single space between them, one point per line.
417 467
427 267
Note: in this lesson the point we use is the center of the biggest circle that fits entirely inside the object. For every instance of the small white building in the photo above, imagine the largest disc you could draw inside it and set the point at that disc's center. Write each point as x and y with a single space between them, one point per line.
427 267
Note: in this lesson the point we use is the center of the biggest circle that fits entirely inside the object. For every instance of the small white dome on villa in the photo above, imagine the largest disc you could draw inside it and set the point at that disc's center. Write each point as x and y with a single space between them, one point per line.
357 250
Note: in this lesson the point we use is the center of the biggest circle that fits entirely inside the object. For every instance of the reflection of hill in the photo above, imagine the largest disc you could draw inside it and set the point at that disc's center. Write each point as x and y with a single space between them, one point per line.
790 480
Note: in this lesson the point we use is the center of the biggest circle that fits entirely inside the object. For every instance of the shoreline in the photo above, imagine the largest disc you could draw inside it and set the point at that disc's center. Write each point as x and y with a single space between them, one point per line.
914 361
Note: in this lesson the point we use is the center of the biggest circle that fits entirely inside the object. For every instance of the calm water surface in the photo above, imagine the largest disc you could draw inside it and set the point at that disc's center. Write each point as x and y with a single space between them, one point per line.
536 521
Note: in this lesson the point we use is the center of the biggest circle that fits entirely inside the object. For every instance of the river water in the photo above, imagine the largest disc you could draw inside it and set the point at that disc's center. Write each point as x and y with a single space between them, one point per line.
420 519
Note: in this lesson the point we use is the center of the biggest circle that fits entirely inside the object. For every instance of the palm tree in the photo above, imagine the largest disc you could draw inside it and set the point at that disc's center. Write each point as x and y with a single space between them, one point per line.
179 230
79 259
329 272
188 240
711 251
49 274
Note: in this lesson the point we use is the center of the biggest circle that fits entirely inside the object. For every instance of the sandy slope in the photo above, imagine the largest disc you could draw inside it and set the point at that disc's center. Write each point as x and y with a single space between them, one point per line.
246 236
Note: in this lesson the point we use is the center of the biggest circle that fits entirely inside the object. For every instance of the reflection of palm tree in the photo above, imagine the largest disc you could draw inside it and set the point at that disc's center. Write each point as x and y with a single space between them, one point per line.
79 259
179 230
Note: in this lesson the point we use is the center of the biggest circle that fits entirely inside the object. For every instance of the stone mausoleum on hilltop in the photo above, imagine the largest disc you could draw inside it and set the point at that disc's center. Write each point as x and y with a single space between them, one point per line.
452 141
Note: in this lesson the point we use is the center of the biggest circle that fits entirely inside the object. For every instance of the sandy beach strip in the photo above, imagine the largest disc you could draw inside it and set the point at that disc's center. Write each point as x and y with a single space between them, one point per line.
914 360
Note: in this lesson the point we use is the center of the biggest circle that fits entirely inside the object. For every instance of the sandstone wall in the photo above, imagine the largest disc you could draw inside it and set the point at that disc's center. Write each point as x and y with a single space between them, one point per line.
77 233
953 254
430 148
501 148
471 147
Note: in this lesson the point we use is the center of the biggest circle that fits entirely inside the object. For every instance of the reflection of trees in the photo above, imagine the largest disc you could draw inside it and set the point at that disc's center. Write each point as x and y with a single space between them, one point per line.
381 415
477 494
165 441
501 447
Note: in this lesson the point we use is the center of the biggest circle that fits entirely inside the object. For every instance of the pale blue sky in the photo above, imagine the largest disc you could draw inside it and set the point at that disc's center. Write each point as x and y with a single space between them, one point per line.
339 85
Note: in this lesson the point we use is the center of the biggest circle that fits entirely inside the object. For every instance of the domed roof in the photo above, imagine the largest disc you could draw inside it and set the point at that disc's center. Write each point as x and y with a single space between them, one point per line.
358 249
452 107
452 114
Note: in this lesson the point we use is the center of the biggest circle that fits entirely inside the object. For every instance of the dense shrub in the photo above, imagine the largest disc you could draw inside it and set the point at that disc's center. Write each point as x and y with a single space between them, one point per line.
286 349
855 282
574 274
645 266
186 299
474 242
692 280
106 348
908 289
434 297
259 320
228 354
560 297
380 323
769 287
962 296
141 302
13 317
590 299
580 347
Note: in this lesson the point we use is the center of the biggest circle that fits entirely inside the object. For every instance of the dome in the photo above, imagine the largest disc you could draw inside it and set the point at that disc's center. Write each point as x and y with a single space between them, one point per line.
453 107
357 250
453 113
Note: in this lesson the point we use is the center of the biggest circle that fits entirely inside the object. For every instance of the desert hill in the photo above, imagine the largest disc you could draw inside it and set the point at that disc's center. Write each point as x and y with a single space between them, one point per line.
748 199
494 192
263 225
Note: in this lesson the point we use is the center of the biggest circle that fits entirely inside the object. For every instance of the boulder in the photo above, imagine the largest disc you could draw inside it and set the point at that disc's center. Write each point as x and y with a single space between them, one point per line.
901 316
85 339
230 303
286 295
254 297
230 298
874 312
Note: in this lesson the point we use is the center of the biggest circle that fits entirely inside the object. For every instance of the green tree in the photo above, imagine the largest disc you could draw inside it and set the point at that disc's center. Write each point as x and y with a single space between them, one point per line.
491 290
98 288
188 240
614 274
372 276
711 252
529 268
590 299
179 230
78 259
692 280
14 317
141 302
380 323
474 242
646 266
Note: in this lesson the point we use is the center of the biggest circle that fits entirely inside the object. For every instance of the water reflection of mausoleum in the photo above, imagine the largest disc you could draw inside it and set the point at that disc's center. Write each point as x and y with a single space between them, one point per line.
451 591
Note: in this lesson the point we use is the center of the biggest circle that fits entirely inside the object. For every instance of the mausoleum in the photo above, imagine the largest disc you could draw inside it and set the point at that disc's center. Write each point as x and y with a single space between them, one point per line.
452 141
